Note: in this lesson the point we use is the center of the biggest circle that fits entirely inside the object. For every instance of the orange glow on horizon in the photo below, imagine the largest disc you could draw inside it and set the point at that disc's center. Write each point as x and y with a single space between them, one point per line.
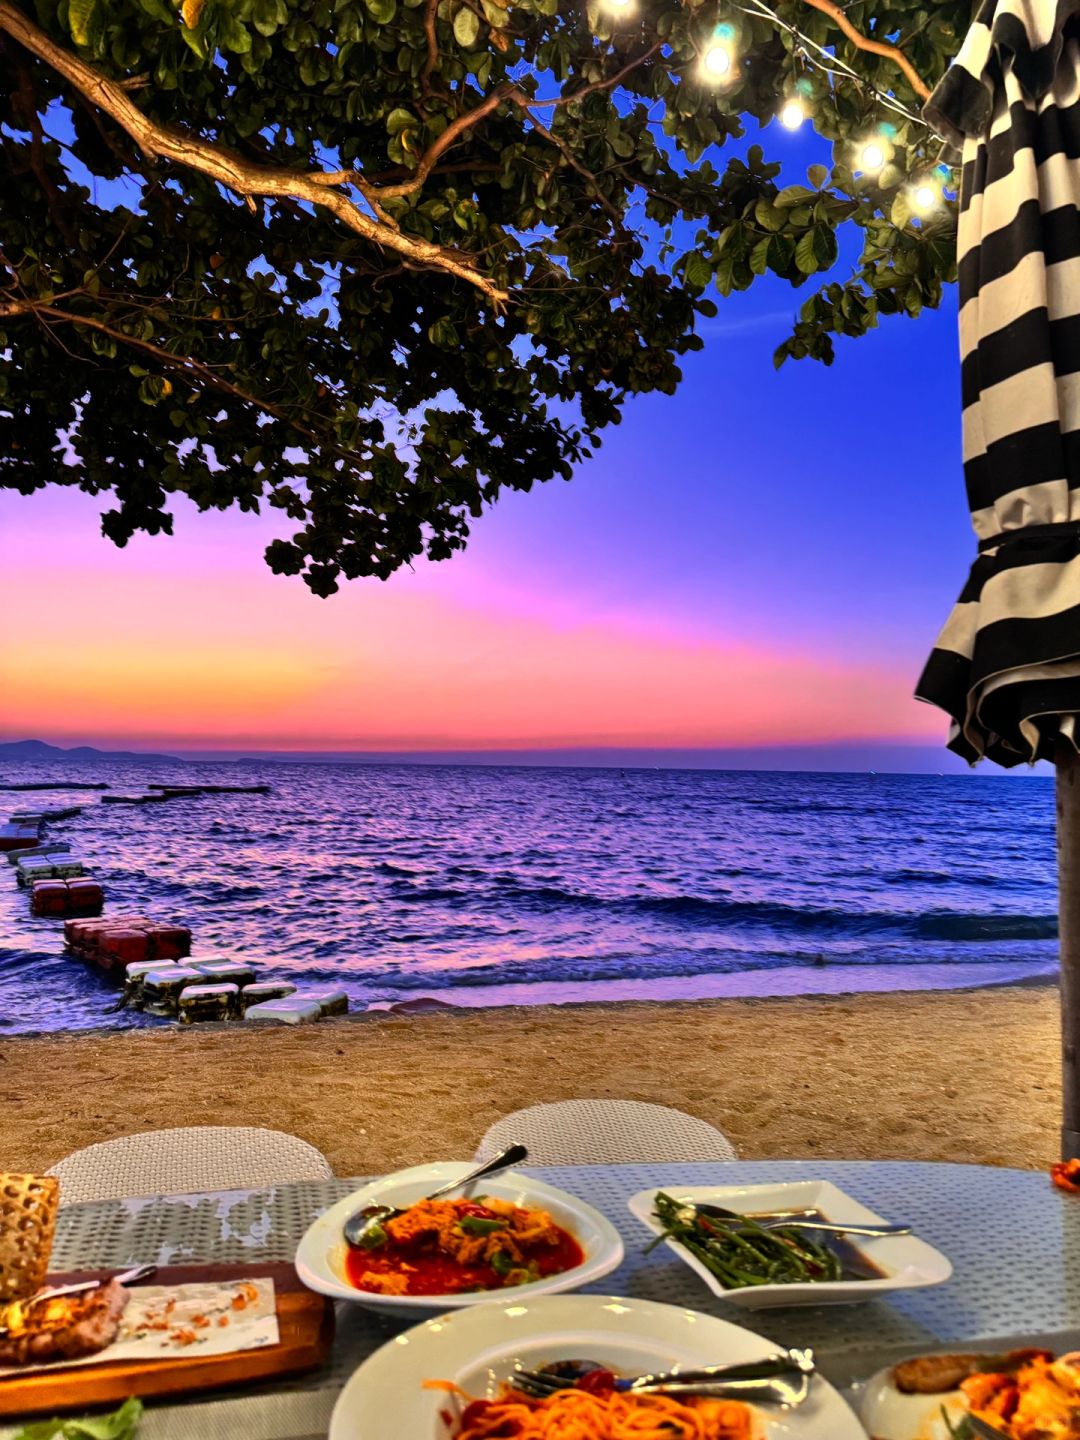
259 664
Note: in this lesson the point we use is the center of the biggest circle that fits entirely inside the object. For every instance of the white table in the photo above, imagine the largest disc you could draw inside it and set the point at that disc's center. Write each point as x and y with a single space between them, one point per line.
1013 1239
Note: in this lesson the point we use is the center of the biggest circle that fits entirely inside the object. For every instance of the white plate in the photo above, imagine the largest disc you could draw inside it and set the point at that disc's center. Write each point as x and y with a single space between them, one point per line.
479 1348
890 1415
320 1258
908 1262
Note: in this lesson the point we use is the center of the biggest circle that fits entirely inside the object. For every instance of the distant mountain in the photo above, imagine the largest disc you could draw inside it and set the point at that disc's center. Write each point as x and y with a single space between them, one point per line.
38 750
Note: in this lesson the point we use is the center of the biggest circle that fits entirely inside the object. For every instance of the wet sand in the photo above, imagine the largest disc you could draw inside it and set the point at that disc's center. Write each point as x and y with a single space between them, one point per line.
967 1076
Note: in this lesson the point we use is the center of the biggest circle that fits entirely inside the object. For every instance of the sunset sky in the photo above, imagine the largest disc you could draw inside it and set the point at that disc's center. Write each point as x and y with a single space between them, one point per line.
764 559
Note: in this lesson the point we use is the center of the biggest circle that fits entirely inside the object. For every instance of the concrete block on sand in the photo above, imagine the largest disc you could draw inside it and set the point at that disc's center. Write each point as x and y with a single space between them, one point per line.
330 1002
134 977
295 1009
264 990
162 988
209 1002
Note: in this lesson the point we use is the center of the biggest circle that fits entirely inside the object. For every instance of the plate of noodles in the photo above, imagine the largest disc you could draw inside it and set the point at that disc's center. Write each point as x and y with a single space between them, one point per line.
510 1235
451 1378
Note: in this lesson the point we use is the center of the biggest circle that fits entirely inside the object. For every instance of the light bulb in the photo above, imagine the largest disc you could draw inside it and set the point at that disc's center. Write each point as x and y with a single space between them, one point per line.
924 198
717 61
619 6
792 115
872 157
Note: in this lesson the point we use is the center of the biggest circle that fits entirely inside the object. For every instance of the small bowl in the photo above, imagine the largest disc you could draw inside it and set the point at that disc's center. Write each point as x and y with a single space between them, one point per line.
906 1262
320 1256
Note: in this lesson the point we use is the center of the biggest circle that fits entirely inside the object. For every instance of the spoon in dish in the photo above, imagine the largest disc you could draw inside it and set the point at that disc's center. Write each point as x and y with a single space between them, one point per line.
358 1227
792 1222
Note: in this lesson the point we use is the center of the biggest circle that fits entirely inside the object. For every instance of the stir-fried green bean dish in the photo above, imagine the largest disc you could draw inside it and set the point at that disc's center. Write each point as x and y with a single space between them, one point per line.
741 1252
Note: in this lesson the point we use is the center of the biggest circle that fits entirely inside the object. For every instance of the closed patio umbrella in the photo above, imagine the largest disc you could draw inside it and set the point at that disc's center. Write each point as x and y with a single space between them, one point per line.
1006 667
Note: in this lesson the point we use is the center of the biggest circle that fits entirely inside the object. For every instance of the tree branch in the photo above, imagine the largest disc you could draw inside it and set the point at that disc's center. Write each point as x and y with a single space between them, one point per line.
432 57
601 84
239 175
874 47
188 369
507 92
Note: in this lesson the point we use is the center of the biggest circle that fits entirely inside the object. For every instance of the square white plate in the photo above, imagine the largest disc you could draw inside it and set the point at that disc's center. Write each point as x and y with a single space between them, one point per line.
908 1262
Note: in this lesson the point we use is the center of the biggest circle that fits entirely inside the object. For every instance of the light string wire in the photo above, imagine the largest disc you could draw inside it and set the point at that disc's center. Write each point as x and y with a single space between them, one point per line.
825 60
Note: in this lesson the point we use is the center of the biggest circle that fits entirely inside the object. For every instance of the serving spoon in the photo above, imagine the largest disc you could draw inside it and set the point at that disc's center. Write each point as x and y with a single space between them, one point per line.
358 1226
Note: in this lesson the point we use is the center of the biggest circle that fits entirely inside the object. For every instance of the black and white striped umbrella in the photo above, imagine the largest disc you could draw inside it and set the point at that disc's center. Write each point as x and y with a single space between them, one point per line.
1006 667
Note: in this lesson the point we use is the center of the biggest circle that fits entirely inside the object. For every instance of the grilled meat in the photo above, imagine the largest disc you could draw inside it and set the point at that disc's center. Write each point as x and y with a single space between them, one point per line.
66 1328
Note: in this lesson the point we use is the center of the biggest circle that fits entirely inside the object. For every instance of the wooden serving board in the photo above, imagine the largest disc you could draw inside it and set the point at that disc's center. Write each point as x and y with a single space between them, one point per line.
305 1325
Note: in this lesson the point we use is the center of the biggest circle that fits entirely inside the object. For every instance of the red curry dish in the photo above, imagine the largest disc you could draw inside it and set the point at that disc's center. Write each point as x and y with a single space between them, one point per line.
451 1247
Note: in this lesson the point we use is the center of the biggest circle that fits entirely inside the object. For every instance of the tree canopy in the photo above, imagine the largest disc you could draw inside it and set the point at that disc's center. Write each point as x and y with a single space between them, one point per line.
371 262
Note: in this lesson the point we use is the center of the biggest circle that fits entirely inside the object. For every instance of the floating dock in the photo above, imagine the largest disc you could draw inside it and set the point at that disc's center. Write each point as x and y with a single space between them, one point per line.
55 785
151 957
133 799
213 789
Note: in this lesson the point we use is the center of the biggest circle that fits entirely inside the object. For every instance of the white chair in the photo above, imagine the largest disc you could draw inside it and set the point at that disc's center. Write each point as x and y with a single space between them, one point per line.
178 1162
606 1132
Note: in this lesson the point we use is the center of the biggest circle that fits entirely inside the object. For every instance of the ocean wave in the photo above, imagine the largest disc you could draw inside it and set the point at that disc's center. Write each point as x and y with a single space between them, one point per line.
707 911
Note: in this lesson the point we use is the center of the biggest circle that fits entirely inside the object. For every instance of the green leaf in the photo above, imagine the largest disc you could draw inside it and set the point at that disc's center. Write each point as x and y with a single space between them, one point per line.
825 247
399 120
900 212
443 333
768 216
818 175
80 19
381 11
806 255
793 195
466 27
119 1425
698 271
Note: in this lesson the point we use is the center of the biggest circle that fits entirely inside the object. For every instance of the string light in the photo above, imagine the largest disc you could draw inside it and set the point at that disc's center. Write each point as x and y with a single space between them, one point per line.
872 157
925 196
793 114
619 7
717 60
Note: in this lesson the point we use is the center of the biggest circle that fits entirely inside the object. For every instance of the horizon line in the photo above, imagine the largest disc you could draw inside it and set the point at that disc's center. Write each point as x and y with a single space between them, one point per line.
839 757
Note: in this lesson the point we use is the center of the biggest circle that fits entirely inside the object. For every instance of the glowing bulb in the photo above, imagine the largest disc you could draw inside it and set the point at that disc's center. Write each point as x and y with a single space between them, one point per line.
717 61
619 6
872 157
924 198
792 115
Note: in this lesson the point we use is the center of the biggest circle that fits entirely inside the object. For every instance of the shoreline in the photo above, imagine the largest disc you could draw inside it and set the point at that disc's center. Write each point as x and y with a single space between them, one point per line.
897 1074
781 984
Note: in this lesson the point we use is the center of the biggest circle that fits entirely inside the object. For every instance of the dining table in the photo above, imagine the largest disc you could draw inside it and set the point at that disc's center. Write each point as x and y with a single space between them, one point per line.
1013 1239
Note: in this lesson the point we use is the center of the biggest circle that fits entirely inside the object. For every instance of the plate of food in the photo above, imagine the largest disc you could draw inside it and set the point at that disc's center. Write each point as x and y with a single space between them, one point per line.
764 1258
87 1338
453 1378
512 1233
1019 1395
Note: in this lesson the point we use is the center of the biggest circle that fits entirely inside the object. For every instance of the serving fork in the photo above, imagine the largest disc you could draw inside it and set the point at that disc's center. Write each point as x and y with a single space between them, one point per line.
781 1379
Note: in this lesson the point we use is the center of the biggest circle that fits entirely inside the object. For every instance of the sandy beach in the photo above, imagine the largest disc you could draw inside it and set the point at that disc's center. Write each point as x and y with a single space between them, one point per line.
966 1076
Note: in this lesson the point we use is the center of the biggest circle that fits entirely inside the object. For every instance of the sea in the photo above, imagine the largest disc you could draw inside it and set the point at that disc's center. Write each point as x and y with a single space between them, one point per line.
485 885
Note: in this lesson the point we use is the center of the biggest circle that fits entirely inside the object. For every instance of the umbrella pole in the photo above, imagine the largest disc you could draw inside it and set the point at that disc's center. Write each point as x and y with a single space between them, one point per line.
1068 822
